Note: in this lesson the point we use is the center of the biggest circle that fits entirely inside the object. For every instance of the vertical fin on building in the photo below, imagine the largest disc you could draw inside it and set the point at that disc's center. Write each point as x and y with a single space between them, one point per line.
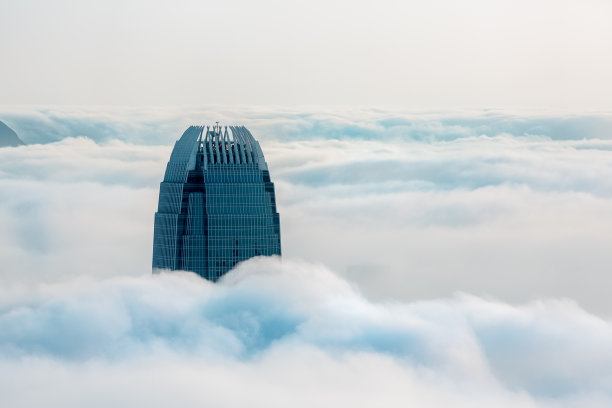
228 144
257 152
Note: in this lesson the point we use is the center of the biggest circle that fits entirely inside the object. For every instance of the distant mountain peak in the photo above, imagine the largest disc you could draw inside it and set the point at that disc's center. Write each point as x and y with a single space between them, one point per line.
8 137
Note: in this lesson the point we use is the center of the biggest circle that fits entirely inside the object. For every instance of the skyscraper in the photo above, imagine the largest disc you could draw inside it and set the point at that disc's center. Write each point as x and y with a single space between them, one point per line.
216 203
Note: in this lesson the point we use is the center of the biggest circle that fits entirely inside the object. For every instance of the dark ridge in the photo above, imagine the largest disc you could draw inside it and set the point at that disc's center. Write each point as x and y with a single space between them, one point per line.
8 137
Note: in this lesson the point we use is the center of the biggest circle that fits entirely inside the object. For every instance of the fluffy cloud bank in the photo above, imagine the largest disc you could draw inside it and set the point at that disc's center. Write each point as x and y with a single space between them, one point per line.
150 125
276 333
420 206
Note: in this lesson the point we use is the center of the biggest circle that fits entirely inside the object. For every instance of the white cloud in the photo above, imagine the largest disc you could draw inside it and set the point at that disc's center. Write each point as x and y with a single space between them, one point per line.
424 203
161 125
279 333
420 206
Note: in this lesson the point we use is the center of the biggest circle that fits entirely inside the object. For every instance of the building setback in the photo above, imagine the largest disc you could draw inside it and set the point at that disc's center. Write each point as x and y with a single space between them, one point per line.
217 205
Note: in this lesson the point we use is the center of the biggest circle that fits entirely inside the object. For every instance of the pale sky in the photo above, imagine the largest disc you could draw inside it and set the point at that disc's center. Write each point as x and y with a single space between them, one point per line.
436 54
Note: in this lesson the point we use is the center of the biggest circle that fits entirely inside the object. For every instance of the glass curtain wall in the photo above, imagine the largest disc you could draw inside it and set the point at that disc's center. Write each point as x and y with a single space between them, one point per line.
217 205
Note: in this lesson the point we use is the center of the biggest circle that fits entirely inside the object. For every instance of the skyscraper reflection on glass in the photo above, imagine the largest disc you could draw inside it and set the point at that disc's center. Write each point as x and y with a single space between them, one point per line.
217 205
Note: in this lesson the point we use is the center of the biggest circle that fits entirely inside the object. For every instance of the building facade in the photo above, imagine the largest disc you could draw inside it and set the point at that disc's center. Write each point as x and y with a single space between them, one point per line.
217 205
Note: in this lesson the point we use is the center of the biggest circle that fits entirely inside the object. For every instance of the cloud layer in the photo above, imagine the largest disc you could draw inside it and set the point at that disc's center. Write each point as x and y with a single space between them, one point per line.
516 206
150 125
286 332
419 205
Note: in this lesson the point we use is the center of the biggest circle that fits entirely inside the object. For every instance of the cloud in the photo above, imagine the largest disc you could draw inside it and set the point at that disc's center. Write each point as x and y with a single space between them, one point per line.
468 163
75 207
518 216
292 332
162 125
74 160
420 206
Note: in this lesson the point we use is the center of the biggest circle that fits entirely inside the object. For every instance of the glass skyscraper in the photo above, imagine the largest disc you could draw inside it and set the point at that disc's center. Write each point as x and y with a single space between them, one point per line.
217 205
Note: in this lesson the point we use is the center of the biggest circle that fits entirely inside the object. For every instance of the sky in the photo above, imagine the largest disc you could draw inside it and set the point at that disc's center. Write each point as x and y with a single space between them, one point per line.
442 174
441 53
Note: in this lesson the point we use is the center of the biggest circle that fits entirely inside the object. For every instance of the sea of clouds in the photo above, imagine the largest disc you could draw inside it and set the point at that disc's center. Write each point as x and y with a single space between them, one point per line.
429 258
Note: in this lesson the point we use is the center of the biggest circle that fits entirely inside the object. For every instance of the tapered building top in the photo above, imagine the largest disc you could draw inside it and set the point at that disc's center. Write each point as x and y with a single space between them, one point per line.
217 204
